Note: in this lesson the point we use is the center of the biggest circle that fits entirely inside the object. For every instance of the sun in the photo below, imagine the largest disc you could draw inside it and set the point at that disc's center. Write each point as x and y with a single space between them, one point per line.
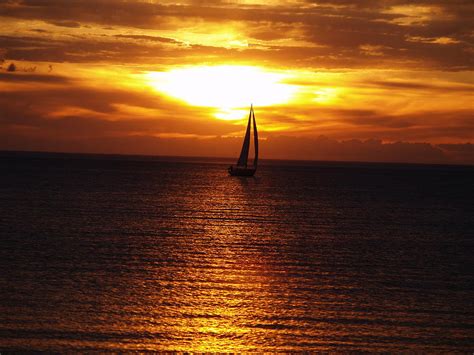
225 87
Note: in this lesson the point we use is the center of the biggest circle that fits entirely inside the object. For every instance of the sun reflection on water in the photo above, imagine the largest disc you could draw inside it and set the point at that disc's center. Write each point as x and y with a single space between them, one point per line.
222 278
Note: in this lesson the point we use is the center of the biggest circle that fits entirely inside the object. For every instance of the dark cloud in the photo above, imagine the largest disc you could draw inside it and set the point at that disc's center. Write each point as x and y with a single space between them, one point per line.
65 23
81 50
465 148
103 116
451 6
341 27
107 12
425 126
39 30
148 38
39 78
324 148
407 85
114 49
419 126
460 153
11 68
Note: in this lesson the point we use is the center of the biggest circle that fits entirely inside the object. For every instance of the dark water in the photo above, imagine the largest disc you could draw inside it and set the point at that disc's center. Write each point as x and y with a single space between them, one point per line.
140 254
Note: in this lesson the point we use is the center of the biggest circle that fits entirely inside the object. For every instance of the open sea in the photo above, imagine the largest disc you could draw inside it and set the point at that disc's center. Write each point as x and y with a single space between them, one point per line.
142 253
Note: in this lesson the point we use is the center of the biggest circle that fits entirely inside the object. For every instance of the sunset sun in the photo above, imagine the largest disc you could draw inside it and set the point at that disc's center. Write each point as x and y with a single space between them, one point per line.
225 87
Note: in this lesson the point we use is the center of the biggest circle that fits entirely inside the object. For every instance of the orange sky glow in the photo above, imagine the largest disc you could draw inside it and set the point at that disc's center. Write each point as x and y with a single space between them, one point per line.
367 80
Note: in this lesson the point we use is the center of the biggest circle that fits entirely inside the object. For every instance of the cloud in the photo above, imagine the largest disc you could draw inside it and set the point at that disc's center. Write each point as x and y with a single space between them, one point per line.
81 111
321 148
148 38
39 30
324 148
417 85
418 126
460 153
336 33
464 148
78 50
39 78
65 23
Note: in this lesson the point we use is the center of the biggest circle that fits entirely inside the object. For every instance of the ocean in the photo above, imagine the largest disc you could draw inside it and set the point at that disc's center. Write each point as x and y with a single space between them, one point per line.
166 254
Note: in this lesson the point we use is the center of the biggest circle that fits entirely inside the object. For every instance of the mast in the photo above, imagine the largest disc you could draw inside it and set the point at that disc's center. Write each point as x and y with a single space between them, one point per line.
255 138
244 154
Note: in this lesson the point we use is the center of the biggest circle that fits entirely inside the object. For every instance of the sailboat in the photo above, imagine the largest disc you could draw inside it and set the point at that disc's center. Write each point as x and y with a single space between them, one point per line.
242 169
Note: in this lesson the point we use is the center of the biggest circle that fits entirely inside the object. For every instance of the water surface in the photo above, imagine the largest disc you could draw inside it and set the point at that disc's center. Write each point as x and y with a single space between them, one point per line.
116 253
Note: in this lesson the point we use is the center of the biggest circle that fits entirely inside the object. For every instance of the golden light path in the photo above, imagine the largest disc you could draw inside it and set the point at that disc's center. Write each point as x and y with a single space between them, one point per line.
225 87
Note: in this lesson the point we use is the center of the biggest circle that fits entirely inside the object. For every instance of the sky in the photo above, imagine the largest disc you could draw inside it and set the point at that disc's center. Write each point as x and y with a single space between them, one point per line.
367 80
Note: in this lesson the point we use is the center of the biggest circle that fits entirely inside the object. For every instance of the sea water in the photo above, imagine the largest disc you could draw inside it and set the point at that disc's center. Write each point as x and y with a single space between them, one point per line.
143 253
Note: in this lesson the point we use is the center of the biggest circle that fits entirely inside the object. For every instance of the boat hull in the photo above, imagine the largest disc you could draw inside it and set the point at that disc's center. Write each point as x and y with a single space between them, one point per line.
238 171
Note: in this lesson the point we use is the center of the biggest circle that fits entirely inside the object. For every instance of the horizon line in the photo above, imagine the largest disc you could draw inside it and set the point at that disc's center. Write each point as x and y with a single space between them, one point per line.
195 157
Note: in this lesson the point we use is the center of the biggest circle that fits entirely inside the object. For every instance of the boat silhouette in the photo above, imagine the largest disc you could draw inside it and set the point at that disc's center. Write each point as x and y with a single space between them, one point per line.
242 168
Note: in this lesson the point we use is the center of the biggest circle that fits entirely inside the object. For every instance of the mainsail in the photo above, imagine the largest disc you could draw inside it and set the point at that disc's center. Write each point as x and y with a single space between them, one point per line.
244 153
